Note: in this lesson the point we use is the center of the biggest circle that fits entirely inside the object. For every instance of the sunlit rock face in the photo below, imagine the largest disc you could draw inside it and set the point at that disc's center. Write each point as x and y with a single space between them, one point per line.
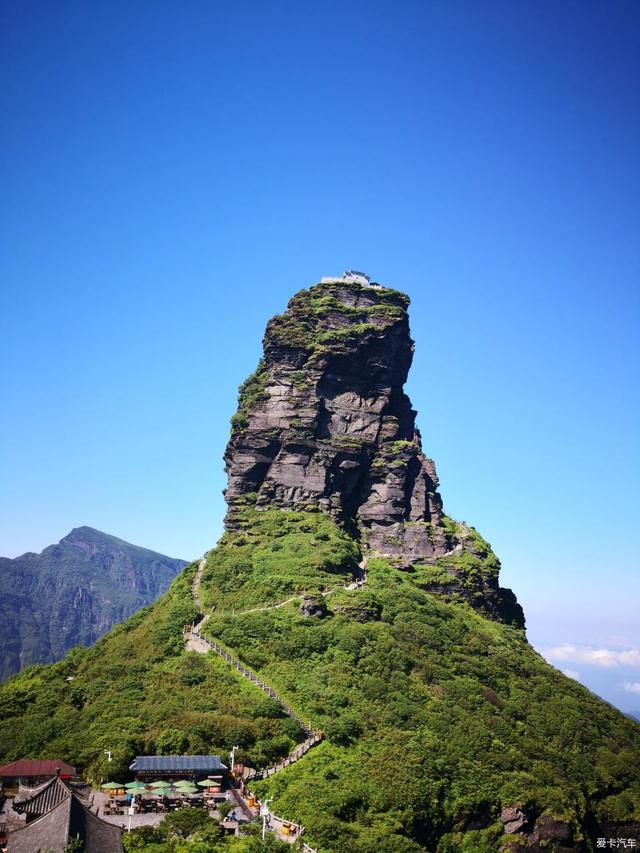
324 423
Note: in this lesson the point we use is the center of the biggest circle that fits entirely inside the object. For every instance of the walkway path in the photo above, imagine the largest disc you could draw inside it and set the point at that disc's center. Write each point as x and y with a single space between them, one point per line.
197 580
325 593
195 641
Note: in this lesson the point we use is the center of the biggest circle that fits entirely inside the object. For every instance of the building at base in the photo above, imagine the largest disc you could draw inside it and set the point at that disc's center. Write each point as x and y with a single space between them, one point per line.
32 772
57 816
149 768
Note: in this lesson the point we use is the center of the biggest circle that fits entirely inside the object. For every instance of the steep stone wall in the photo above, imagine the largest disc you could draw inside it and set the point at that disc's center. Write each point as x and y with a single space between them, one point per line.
324 422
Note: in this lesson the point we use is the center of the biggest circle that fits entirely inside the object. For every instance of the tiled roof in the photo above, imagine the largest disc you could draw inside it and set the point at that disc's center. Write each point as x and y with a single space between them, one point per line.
98 835
37 767
43 799
165 763
48 832
68 818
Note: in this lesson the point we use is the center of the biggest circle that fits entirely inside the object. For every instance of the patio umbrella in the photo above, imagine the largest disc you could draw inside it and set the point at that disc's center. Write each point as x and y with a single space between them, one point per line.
112 786
159 784
209 783
186 789
159 790
134 787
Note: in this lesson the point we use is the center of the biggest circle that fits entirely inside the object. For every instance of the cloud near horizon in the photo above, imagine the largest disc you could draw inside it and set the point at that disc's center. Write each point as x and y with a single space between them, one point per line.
569 653
572 673
632 687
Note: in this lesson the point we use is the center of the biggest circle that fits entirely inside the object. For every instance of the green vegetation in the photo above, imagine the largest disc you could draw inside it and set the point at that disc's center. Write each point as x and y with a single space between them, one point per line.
434 718
393 448
138 691
320 323
252 390
346 442
193 831
471 566
274 554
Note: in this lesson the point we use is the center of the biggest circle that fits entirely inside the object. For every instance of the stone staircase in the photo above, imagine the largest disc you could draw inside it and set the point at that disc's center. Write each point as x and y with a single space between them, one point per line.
195 641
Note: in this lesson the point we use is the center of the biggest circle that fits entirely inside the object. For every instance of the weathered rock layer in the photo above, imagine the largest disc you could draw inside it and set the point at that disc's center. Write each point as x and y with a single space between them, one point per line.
324 423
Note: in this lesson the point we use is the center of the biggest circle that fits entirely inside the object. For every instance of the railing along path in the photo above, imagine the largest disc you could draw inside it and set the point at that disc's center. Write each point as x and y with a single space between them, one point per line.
196 642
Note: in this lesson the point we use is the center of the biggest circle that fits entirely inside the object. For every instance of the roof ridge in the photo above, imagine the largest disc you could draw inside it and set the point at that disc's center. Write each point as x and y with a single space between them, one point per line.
46 814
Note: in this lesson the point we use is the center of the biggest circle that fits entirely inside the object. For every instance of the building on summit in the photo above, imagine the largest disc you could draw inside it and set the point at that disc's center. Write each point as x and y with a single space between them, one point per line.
351 277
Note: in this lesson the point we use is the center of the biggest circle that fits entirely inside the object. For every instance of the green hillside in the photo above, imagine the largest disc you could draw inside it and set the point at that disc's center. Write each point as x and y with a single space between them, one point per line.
435 718
137 691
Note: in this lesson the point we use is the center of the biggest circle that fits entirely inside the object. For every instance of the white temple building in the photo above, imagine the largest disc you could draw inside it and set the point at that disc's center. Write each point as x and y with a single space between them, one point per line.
350 277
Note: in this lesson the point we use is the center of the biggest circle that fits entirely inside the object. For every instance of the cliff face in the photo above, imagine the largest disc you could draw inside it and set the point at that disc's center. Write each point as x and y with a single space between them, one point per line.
72 593
324 422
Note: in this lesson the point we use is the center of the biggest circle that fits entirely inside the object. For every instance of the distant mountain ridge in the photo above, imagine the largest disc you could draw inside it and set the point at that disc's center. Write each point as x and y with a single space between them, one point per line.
72 593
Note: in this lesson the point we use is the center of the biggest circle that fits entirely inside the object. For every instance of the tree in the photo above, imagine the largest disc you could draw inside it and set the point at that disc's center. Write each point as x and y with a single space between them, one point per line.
170 742
186 822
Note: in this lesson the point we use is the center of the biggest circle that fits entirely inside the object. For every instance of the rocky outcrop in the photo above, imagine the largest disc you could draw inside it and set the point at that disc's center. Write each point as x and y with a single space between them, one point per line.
530 834
324 423
313 606
72 593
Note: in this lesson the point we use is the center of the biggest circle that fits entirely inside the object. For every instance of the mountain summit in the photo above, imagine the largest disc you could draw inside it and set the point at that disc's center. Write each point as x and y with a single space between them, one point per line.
345 636
324 423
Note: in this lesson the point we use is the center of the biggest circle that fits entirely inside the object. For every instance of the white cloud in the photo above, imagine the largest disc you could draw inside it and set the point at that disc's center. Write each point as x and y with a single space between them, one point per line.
571 673
632 687
568 653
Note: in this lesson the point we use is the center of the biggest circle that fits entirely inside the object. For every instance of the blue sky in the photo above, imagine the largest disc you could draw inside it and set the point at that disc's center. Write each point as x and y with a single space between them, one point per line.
173 173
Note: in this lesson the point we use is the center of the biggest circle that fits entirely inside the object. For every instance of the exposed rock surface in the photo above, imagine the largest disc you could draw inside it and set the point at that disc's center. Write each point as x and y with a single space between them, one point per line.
313 605
513 819
72 593
324 422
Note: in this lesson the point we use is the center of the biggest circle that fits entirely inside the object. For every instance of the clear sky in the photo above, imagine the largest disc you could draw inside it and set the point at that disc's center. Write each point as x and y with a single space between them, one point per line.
172 173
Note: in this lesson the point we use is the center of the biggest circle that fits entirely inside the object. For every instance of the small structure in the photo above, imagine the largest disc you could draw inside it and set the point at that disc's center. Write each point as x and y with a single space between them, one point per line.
56 816
351 277
172 767
32 772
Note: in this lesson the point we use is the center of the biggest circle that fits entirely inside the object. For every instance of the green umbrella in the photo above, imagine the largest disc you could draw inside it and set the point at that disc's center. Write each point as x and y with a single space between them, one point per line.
112 786
209 783
135 786
159 784
186 789
182 782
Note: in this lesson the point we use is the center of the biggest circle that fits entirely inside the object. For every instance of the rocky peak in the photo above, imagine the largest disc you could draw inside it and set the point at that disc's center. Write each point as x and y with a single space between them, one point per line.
324 423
